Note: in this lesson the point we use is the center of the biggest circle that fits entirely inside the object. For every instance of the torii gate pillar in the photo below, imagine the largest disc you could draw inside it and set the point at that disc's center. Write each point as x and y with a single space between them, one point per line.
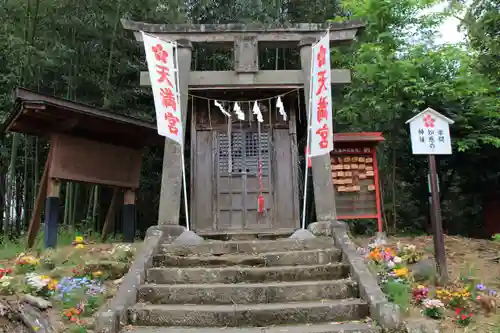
171 179
324 194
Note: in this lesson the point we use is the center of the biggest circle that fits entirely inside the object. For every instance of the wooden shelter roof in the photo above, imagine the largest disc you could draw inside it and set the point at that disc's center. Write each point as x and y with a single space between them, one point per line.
42 115
358 136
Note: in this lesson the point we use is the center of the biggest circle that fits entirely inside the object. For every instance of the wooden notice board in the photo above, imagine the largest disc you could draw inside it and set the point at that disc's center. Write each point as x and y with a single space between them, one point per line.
355 176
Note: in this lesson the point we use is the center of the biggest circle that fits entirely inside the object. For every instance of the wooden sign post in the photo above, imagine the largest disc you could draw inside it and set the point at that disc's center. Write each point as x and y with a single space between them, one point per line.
430 135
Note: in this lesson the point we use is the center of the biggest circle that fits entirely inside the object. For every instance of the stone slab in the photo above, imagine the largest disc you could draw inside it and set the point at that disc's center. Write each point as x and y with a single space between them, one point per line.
237 274
302 234
422 325
247 314
188 237
321 228
249 246
307 257
247 293
306 328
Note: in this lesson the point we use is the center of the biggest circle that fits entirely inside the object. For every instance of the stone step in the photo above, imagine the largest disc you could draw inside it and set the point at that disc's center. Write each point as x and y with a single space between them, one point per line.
249 246
238 315
350 327
290 258
239 274
247 293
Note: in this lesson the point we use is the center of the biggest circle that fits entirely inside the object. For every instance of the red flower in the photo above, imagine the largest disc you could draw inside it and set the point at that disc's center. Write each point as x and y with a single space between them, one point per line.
9 270
458 310
463 317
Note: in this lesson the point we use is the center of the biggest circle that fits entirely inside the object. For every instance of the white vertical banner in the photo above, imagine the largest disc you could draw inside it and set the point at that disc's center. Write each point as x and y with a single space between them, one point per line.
163 73
321 98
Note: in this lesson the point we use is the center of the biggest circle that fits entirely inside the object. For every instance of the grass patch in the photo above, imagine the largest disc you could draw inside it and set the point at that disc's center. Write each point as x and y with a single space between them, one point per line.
11 248
399 293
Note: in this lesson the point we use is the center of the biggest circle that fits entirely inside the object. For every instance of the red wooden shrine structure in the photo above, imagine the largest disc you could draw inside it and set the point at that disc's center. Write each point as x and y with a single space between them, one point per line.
355 176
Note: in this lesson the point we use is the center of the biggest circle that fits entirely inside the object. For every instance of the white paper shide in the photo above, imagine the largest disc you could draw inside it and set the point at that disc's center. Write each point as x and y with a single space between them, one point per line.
321 141
160 56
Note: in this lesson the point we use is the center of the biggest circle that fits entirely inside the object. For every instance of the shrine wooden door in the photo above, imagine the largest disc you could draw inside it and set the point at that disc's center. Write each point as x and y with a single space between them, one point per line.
238 182
225 180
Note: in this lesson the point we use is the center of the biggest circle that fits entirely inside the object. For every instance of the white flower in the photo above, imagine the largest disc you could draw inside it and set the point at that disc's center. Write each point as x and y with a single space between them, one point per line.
397 260
391 264
433 303
121 247
410 247
36 281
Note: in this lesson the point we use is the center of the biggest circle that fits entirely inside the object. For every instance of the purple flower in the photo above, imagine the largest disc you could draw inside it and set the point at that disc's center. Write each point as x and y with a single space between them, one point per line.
481 287
492 293
387 256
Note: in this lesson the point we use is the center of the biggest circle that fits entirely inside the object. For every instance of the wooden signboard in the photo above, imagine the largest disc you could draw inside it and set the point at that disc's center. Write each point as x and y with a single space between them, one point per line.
355 176
94 162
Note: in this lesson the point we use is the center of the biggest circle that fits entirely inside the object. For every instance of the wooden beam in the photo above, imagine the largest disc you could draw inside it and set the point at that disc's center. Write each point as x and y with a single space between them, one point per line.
129 197
34 226
53 187
224 79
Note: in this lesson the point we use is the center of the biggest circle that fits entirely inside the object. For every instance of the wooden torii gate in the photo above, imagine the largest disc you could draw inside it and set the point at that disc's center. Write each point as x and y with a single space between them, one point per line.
245 41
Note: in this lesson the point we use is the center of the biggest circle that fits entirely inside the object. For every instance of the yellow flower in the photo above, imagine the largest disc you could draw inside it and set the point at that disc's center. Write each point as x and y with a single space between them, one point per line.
78 239
79 246
52 284
401 272
97 274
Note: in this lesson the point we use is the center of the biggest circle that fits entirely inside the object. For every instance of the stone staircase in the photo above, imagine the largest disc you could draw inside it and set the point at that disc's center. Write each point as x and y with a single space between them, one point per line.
252 286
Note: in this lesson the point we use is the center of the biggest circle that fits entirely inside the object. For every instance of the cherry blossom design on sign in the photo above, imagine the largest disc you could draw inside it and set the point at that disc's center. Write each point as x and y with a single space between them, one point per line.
429 121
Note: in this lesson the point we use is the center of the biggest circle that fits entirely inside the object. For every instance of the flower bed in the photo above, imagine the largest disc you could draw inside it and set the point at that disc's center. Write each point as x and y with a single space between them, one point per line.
76 281
462 300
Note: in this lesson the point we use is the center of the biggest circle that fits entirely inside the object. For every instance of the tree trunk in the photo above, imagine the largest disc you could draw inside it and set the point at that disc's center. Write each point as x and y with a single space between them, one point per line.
95 204
10 184
74 206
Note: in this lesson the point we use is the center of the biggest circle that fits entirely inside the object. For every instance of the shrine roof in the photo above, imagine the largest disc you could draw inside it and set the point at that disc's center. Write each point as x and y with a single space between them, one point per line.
358 137
42 115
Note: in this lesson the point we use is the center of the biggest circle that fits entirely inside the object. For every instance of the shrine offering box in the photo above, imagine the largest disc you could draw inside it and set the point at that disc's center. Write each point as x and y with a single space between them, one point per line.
355 176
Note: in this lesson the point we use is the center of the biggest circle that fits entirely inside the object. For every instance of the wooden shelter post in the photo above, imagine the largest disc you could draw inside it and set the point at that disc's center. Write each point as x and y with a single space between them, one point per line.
34 226
324 195
129 215
52 207
171 179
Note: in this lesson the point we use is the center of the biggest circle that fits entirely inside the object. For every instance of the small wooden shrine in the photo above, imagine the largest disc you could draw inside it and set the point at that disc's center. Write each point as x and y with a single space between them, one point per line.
86 145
